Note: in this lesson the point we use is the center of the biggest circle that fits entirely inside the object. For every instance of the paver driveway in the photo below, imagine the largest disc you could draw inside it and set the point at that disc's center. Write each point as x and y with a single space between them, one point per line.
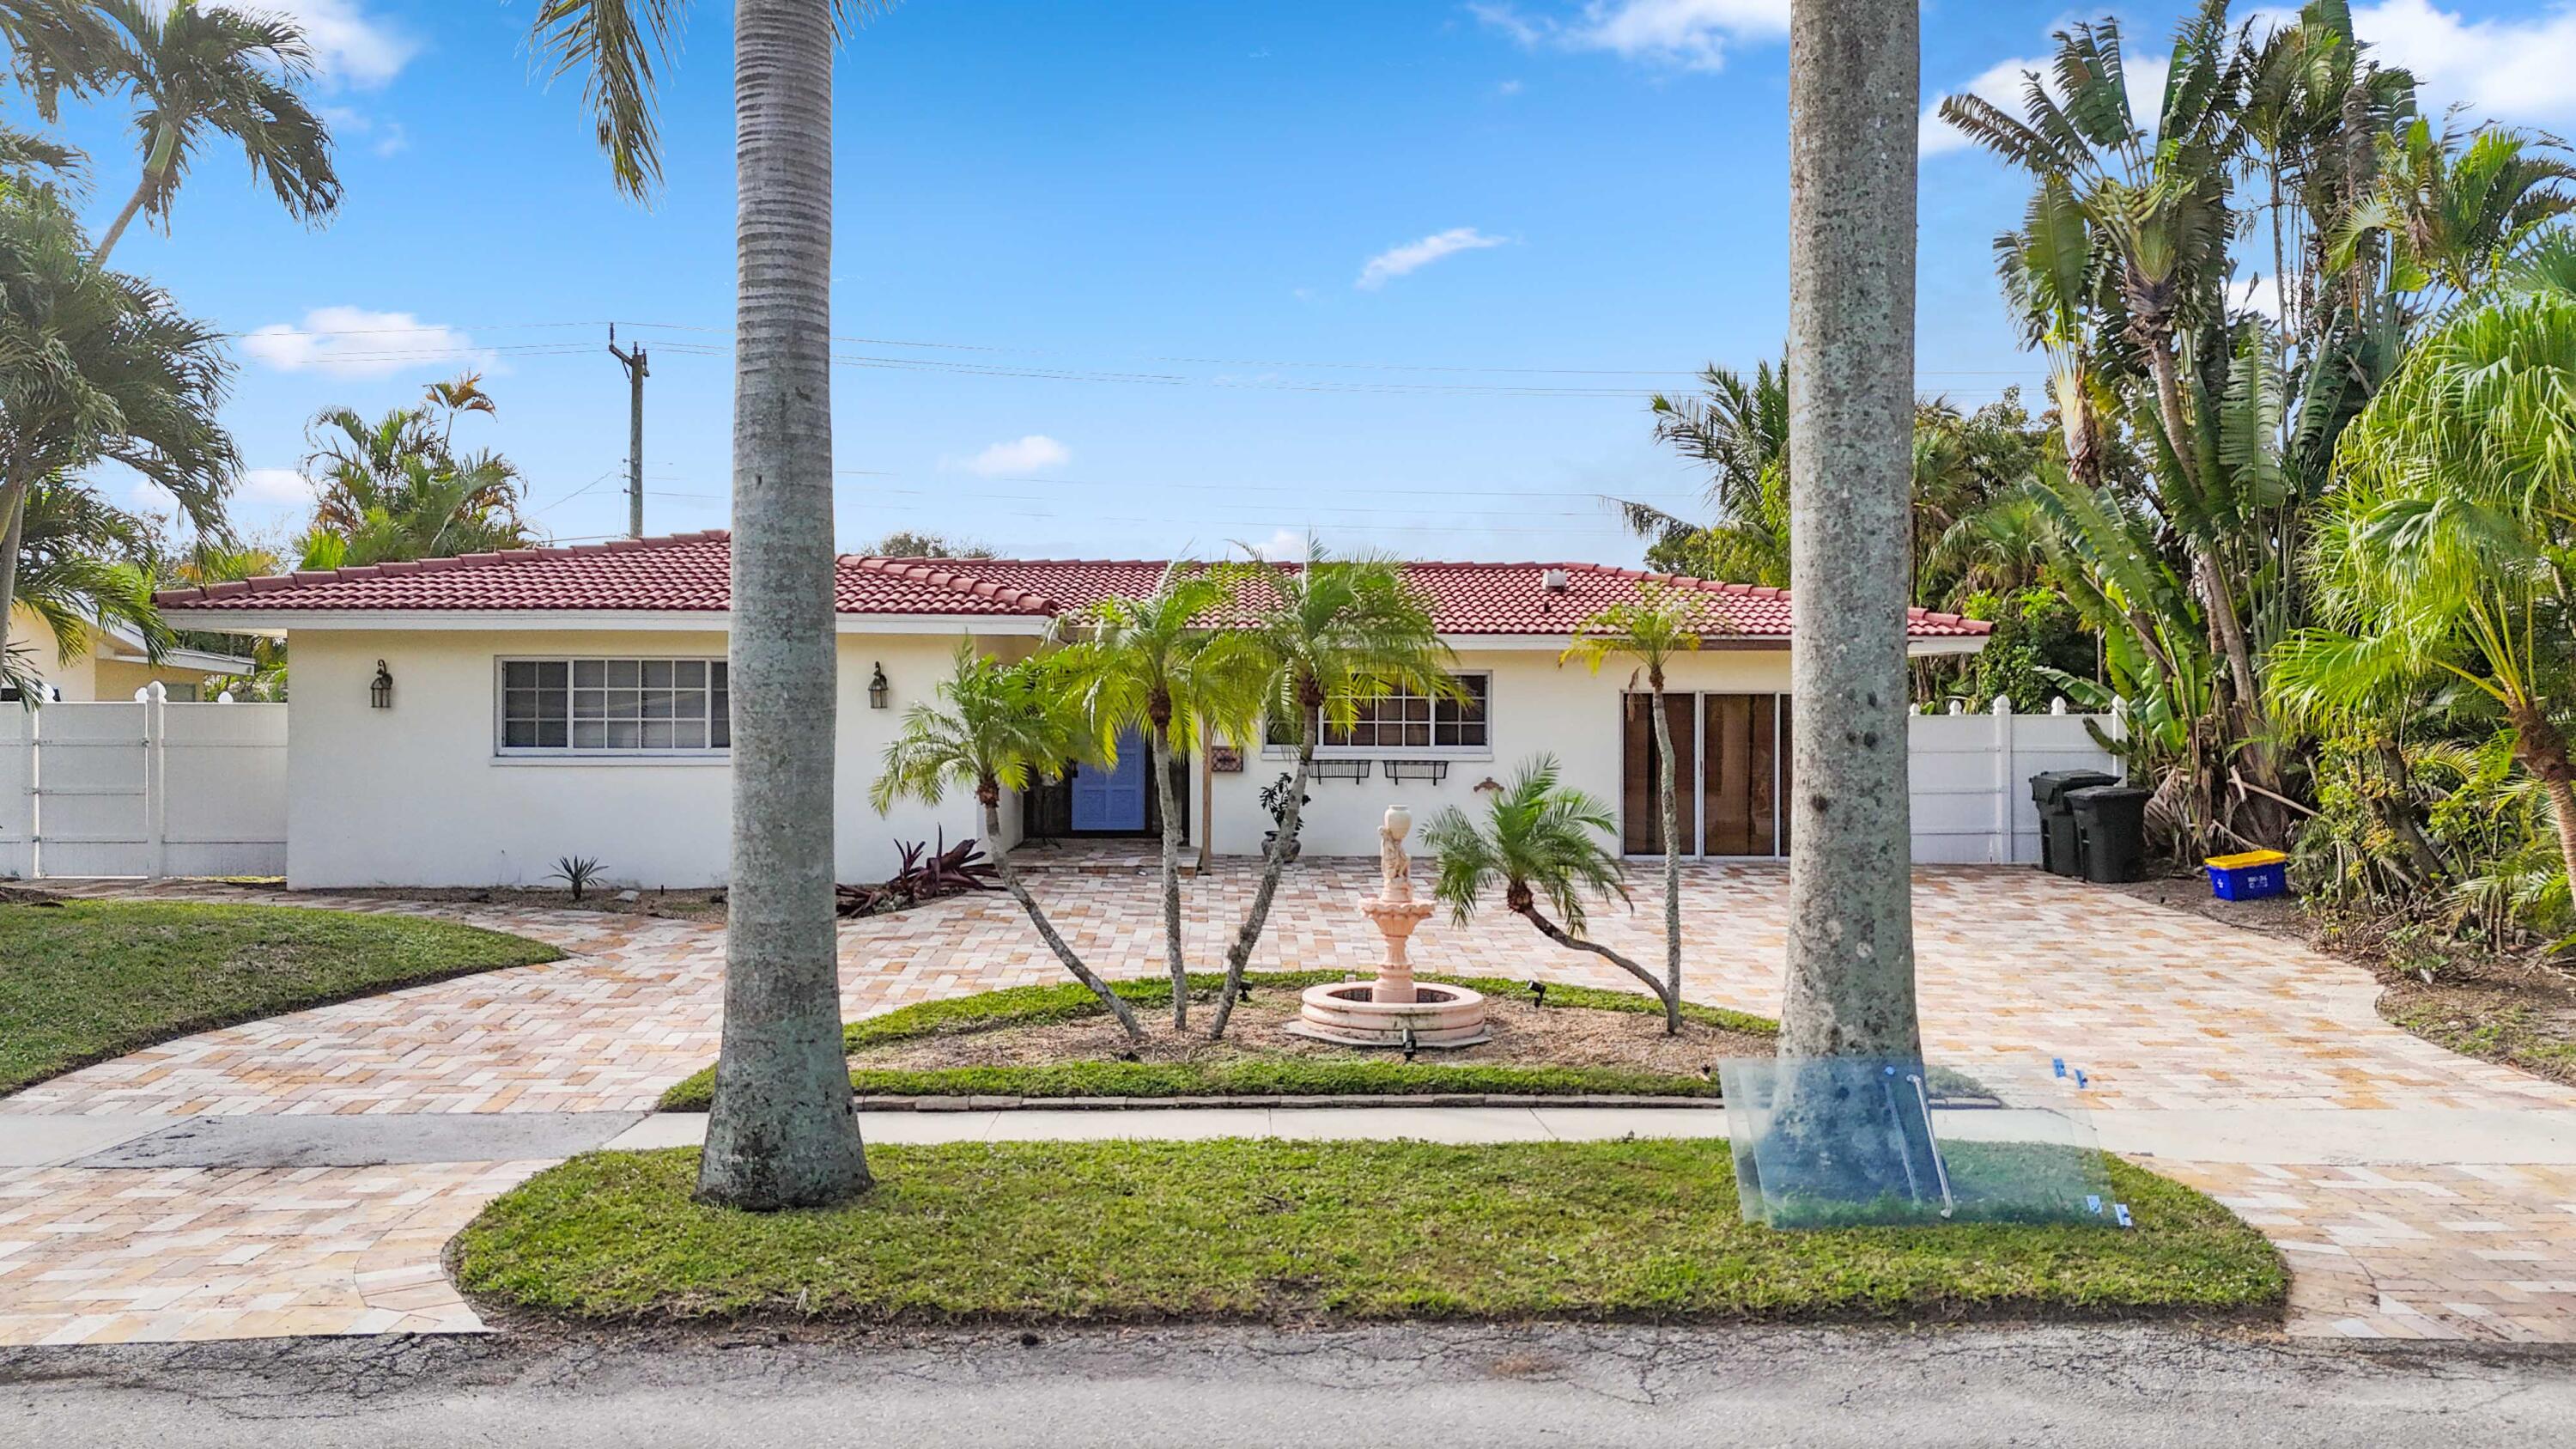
2180 1021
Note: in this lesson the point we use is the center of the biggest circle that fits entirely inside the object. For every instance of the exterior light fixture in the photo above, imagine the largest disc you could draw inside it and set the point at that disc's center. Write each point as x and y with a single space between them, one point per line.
878 689
380 694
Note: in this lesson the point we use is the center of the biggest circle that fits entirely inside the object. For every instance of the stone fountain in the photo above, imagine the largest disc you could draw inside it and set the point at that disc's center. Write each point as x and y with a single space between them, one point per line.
1386 1011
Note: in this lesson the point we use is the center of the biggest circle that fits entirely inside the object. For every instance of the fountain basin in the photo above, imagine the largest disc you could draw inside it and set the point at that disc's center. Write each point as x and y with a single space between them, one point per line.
1349 1014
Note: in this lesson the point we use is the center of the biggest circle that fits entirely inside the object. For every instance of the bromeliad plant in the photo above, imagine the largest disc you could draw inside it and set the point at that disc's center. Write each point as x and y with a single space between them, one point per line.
1544 843
996 727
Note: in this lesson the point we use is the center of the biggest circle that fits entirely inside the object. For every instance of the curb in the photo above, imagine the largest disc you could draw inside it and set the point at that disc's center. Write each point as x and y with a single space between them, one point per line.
1140 1104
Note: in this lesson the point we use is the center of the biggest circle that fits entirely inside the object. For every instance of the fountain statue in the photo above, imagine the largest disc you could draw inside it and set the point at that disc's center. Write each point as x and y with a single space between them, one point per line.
1392 1011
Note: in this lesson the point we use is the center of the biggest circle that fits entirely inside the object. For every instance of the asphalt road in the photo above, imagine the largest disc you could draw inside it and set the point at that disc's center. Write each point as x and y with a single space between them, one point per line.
1204 1389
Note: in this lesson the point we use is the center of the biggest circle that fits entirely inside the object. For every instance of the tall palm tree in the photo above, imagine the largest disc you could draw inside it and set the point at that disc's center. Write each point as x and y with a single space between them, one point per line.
1854 76
196 70
108 370
1542 841
1327 635
1159 662
1662 623
396 488
1739 430
2454 203
781 1133
2157 202
997 727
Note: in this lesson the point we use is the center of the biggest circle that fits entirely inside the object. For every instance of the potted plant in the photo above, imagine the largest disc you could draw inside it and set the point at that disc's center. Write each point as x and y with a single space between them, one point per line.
1274 798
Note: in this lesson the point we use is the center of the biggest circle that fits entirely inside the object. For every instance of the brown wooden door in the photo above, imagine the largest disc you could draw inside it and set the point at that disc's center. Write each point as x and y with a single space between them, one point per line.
1640 805
1741 775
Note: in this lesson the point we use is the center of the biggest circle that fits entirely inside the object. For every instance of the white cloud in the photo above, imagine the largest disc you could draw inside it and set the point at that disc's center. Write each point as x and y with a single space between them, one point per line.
2002 83
1288 545
2256 294
275 485
2513 71
1691 33
354 342
351 45
1031 454
1508 88
151 498
1398 261
2505 70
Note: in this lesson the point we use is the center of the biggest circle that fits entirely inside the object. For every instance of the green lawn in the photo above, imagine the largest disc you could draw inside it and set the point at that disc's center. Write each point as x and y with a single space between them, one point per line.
1269 1230
84 981
1071 1001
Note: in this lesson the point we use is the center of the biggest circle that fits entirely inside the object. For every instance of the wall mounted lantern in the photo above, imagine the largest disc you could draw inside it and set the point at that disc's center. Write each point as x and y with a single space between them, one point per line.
878 689
380 694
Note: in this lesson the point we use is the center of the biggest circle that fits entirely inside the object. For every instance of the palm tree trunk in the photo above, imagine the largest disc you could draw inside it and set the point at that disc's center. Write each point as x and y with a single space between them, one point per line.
1670 997
1854 82
1239 955
156 164
1672 868
781 1133
2544 753
1164 795
13 506
1010 878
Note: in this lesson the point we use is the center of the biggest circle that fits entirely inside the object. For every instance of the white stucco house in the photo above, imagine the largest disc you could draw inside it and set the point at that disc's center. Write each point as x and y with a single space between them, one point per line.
468 721
110 664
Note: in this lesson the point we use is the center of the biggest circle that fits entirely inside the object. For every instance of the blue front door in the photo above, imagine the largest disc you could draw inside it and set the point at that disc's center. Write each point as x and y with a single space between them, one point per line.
1113 797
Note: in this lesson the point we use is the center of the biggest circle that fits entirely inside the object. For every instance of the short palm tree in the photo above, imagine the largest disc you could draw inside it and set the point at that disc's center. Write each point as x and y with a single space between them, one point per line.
1543 842
2451 536
74 573
996 727
198 69
1161 663
124 377
1326 635
1662 623
780 1133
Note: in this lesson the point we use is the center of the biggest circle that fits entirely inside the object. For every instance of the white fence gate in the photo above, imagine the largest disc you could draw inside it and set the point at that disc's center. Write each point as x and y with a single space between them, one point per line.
1971 779
146 788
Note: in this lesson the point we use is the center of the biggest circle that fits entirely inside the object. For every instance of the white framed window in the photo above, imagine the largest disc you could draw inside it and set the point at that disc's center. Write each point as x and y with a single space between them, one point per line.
657 707
1402 721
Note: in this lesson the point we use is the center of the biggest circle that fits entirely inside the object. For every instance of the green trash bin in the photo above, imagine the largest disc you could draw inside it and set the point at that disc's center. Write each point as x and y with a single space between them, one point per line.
2048 791
2110 833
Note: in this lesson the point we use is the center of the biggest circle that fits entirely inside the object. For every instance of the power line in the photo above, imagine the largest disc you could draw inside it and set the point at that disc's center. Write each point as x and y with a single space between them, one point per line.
709 349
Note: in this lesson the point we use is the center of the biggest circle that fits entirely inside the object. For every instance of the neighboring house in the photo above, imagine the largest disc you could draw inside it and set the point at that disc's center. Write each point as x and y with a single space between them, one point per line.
572 701
113 666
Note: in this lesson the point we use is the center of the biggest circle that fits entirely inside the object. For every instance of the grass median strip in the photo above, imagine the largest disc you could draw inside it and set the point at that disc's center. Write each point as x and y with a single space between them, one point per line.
85 981
1267 1230
1021 1007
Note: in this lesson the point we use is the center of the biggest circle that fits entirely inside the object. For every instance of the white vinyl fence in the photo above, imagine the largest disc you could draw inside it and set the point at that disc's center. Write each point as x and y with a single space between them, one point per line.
146 788
1971 774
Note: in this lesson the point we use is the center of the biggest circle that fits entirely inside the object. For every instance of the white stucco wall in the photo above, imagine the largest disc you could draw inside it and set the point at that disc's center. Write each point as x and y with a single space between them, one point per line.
1535 705
418 795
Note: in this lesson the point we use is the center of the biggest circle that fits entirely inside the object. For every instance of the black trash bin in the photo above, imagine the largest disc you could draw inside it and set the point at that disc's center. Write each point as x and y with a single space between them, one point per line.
2110 833
2048 791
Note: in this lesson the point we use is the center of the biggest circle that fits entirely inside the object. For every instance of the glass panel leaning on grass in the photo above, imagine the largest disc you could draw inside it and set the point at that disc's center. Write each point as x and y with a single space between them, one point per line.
1835 1142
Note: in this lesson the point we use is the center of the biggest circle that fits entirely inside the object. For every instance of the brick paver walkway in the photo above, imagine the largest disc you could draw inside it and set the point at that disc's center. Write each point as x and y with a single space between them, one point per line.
2163 1009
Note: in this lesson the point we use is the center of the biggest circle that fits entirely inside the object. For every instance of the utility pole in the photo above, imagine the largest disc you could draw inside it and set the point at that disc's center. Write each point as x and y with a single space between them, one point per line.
636 372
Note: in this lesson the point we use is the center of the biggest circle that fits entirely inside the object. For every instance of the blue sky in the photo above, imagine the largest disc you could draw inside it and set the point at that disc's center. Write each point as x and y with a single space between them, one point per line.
1133 279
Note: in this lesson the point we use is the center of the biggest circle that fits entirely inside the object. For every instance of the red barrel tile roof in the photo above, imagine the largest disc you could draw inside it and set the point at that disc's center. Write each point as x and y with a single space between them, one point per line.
688 573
